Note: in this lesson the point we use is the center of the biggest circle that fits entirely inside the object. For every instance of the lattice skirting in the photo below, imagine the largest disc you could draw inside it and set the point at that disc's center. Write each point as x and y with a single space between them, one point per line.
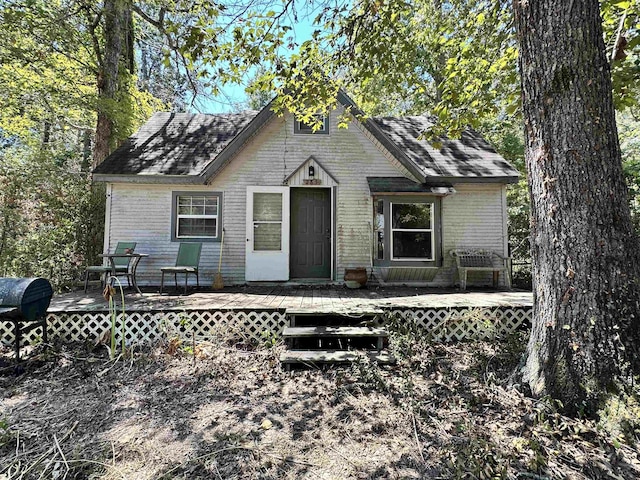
456 323
443 324
152 327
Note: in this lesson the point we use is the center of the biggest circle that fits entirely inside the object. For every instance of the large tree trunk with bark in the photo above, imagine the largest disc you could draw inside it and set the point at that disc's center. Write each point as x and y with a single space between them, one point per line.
117 44
586 327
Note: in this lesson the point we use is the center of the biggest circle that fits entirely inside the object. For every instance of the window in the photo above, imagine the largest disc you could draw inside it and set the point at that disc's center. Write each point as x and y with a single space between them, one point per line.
196 216
267 222
412 231
379 229
305 128
406 231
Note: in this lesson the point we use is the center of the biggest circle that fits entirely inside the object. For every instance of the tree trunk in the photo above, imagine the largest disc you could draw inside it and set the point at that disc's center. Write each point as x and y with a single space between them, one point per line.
86 151
117 19
586 329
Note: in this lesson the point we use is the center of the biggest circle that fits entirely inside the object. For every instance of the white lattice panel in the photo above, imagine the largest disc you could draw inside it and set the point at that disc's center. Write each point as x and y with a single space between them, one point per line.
151 327
7 335
442 324
451 324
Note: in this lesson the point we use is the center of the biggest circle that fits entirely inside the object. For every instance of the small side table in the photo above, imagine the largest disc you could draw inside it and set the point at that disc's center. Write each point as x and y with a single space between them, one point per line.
133 265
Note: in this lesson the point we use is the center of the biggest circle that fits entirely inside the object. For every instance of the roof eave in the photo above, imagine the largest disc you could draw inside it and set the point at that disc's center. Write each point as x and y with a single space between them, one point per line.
488 179
155 179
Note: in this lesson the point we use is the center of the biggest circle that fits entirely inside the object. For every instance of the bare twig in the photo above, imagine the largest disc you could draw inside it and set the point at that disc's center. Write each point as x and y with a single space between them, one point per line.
96 462
64 459
44 470
50 417
49 451
168 473
105 371
618 38
215 466
158 23
131 353
284 459
415 434
345 458
193 340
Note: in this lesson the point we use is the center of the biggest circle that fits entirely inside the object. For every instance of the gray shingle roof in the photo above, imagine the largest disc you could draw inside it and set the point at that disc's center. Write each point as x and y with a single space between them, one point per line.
469 157
179 145
175 144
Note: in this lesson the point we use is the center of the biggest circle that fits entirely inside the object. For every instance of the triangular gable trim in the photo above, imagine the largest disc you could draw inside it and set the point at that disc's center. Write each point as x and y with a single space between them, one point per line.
381 137
300 175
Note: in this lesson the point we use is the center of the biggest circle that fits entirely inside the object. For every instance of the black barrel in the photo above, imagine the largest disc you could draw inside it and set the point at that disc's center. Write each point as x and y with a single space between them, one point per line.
29 296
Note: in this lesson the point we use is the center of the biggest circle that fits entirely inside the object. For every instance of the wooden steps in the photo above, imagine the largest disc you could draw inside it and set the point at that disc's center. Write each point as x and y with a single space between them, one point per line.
329 331
312 357
333 338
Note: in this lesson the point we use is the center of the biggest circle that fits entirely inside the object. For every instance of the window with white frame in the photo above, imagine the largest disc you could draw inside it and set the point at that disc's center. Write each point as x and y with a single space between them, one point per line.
412 232
267 221
196 216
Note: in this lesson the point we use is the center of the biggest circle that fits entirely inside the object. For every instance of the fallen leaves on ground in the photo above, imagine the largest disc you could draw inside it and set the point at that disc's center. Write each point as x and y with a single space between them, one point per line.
443 411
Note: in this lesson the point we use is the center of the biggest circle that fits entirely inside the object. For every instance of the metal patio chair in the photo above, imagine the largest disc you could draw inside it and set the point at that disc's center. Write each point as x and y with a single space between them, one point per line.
122 264
187 263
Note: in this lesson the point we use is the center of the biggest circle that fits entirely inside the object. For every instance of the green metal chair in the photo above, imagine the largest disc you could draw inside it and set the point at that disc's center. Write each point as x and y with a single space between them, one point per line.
187 263
122 264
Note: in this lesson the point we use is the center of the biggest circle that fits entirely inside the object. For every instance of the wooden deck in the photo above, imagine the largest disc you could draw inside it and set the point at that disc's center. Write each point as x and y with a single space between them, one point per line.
296 299
253 311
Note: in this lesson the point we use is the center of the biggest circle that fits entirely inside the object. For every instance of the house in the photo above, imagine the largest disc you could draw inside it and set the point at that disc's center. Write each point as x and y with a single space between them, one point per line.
300 205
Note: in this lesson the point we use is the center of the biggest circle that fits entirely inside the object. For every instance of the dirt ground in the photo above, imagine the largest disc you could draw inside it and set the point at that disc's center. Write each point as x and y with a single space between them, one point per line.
443 411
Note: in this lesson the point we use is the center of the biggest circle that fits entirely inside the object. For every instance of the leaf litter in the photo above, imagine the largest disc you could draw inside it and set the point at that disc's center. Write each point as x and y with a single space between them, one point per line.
232 412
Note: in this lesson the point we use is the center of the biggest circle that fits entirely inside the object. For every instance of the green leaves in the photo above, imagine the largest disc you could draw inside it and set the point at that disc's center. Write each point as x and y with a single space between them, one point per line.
621 23
455 59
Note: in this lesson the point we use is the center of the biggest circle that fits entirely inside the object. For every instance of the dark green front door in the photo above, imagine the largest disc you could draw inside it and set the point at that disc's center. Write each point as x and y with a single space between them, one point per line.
310 233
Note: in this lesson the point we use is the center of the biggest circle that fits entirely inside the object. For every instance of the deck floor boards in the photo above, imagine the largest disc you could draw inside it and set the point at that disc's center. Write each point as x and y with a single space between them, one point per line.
320 299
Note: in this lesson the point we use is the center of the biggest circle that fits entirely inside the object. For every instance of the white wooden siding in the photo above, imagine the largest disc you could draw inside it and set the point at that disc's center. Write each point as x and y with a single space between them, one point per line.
473 217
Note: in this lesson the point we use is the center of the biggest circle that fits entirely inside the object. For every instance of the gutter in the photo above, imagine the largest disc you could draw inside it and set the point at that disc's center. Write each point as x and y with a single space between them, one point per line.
154 179
452 180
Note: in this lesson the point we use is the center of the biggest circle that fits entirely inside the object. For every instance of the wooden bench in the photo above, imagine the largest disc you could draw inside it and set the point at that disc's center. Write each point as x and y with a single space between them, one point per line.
481 261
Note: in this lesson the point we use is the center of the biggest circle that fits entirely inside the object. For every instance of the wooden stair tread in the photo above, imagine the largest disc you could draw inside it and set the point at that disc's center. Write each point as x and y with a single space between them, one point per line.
343 310
329 331
332 356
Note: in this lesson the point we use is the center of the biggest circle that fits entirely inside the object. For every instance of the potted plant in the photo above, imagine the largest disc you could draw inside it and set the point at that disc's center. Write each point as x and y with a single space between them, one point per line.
355 277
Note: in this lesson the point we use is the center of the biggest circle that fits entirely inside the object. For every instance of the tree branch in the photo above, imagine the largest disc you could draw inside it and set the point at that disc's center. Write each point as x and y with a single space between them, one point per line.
159 23
92 26
616 44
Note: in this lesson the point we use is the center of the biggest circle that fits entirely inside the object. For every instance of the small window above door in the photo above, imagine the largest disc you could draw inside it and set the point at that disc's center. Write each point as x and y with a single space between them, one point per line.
313 128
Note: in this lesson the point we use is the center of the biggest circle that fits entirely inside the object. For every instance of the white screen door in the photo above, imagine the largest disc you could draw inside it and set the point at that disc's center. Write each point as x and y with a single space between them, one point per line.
267 256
